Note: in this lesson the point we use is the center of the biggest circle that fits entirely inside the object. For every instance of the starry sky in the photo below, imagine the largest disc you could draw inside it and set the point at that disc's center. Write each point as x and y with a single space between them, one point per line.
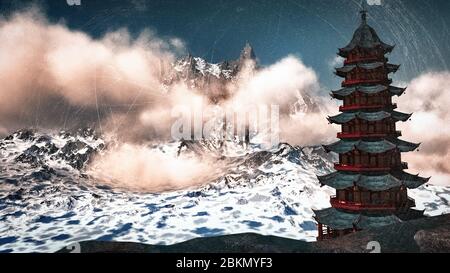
312 30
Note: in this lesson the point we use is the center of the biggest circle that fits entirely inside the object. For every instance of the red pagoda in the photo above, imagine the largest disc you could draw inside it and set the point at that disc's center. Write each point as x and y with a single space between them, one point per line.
370 181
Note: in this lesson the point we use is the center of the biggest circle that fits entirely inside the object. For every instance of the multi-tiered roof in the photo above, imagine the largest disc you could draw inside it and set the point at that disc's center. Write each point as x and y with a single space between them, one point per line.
370 181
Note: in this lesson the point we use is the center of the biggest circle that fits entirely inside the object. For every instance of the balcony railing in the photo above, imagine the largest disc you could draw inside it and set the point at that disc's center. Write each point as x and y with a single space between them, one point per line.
366 106
359 135
367 135
355 206
361 81
360 106
364 59
360 168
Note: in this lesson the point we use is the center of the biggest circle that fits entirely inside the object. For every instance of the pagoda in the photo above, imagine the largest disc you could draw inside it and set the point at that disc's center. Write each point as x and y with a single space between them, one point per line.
370 181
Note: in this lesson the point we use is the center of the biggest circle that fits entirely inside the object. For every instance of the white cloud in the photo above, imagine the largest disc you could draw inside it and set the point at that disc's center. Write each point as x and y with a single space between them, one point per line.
336 62
428 97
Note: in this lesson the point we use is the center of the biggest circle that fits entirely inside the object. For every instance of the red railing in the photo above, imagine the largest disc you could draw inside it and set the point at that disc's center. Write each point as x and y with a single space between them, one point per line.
360 106
358 135
339 204
366 106
335 203
359 168
364 59
361 81
362 134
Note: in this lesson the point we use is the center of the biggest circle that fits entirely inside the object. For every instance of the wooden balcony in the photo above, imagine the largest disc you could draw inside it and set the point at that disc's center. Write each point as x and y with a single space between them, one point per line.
365 59
366 106
361 81
367 135
326 233
360 168
359 106
355 206
359 135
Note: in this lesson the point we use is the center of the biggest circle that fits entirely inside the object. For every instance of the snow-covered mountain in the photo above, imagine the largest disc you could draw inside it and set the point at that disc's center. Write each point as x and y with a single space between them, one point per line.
47 200
199 72
212 78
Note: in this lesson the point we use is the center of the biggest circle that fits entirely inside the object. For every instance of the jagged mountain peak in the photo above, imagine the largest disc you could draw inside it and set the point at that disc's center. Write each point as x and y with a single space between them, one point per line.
194 68
212 78
247 53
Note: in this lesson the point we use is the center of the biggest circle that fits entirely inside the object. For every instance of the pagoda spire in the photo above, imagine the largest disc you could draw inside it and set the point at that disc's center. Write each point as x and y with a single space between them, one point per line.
363 12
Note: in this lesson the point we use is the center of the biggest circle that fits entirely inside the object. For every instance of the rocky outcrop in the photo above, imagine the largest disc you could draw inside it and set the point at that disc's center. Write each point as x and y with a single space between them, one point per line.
425 235
77 149
270 192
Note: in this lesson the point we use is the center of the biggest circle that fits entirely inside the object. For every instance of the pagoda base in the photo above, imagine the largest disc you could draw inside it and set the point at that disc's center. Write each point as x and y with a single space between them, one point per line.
333 223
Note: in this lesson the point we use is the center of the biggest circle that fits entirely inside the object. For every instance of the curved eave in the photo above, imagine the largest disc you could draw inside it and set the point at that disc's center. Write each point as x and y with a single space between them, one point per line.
378 183
397 91
336 219
392 68
345 51
374 147
373 222
341 181
405 146
388 48
412 181
340 220
371 117
369 90
343 71
338 180
365 37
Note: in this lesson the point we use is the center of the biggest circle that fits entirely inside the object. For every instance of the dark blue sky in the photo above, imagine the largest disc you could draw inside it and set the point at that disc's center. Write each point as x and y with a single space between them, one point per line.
310 29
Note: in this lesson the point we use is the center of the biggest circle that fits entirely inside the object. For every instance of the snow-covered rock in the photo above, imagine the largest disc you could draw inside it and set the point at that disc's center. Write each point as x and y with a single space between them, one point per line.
48 201
212 78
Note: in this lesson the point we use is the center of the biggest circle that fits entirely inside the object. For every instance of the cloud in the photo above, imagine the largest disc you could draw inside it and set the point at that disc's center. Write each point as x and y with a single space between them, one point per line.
42 62
285 83
336 62
280 84
54 77
140 168
428 97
